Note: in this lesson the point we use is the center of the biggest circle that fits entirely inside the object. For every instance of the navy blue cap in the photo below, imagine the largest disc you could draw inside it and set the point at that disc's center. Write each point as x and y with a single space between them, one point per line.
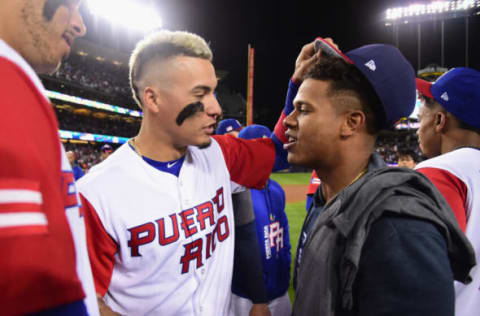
458 91
227 126
390 74
254 131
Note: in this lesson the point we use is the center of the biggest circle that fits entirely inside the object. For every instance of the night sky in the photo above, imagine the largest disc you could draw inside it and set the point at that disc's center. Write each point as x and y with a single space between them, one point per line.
278 29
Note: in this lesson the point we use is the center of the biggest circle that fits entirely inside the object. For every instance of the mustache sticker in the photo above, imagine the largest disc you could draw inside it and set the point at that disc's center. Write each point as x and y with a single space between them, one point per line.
188 111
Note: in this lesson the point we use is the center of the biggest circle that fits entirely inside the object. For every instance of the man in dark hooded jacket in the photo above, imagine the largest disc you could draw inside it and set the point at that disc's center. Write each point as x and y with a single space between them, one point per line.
377 240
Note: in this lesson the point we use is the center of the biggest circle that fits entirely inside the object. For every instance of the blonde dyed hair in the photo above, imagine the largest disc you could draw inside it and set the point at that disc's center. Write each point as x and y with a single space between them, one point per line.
162 45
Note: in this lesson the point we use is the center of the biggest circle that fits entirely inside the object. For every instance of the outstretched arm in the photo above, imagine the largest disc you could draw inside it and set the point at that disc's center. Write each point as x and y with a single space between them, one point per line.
251 161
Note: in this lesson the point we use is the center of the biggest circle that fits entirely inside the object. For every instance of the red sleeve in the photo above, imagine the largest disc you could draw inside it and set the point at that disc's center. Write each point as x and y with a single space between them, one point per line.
101 248
314 183
249 162
280 129
37 250
453 190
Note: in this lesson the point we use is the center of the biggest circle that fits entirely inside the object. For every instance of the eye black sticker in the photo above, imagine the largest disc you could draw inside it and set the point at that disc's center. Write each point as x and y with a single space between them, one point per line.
188 111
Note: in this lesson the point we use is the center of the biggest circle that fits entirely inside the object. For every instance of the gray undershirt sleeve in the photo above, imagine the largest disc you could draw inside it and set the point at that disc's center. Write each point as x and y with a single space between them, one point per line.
243 208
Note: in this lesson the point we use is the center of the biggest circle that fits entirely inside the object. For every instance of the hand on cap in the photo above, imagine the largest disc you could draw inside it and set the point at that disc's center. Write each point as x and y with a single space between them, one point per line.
306 58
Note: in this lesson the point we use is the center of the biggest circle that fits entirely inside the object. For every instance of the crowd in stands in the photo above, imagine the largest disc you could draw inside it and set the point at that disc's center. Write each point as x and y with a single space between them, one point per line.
88 155
102 76
90 124
106 82
390 142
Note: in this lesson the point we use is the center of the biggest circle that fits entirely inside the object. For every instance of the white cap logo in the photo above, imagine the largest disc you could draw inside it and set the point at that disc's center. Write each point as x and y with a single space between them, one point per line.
229 128
371 65
444 97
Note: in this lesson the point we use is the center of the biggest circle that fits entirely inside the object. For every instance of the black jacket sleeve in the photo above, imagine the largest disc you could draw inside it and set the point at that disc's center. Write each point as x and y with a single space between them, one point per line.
404 270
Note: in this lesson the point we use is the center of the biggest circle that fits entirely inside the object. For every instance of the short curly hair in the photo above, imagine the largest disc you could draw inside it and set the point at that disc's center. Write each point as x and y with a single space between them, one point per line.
163 45
343 77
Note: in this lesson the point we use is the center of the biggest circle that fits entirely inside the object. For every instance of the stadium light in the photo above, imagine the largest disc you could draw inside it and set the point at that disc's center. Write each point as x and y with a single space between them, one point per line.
139 16
436 10
436 7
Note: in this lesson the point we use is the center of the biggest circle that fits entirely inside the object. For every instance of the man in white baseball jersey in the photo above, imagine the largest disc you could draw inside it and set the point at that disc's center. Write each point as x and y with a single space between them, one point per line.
159 209
449 134
44 259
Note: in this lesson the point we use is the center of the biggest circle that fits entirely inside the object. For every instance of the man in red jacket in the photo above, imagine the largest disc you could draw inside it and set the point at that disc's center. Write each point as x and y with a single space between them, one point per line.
44 261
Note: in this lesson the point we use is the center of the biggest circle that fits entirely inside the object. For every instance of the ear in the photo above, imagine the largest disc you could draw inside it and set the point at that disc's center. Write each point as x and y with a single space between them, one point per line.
440 120
354 120
151 99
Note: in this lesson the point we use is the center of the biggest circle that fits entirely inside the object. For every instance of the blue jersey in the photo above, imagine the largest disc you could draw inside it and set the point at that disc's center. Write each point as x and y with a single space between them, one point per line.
273 237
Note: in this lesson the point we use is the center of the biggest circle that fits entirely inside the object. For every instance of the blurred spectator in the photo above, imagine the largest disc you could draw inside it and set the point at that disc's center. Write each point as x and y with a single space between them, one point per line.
105 151
407 158
77 171
389 142
229 126
87 155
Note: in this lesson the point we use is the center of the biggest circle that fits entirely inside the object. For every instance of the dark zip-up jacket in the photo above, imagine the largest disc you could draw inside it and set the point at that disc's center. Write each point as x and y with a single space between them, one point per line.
388 244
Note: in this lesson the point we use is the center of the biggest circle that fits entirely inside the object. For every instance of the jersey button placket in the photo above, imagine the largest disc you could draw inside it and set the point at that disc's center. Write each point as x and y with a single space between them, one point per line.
184 194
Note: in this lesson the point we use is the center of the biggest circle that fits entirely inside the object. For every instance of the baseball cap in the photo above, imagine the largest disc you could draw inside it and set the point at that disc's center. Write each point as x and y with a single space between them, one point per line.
254 131
227 126
106 148
389 73
458 91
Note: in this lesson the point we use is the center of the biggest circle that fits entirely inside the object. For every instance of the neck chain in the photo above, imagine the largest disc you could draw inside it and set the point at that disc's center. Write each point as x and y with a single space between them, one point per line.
361 174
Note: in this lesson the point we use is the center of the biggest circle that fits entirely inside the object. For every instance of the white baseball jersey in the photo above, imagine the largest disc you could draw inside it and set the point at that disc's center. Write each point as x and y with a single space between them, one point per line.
457 176
161 244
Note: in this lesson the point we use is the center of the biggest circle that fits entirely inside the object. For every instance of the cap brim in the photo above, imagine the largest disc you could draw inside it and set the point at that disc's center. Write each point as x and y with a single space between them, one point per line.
424 87
328 49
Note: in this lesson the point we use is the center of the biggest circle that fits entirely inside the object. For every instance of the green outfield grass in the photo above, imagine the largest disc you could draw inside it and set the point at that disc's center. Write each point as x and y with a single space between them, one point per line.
285 178
296 214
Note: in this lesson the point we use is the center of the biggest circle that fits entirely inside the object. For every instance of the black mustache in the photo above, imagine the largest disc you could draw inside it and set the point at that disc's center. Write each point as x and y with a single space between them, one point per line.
188 111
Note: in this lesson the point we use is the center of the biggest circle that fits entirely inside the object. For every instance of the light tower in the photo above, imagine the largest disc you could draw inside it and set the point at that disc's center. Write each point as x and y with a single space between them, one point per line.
437 10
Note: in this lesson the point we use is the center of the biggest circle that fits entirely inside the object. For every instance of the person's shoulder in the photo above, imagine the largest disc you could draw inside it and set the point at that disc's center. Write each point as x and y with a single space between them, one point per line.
13 79
454 167
213 151
106 171
6 65
12 74
382 181
274 183
275 187
455 160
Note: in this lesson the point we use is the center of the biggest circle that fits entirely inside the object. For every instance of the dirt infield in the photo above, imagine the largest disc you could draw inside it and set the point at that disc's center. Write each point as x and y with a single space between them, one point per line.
295 193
